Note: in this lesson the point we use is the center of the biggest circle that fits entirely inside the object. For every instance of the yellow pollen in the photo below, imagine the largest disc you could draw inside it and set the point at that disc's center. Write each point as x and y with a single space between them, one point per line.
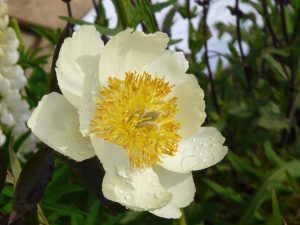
135 114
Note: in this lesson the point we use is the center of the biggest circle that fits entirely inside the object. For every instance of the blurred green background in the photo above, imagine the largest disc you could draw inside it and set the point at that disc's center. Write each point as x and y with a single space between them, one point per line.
251 95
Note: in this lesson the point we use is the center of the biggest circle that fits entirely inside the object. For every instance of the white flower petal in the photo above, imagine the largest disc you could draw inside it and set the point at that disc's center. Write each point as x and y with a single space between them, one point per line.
91 89
191 107
200 151
84 42
55 122
169 212
130 51
171 65
137 189
109 154
182 187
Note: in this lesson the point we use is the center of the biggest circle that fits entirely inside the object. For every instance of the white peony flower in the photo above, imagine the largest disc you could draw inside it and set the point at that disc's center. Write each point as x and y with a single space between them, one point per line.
14 111
132 104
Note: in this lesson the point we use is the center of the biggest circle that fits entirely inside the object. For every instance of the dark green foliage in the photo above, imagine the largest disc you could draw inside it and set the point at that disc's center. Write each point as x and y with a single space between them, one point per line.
32 183
257 95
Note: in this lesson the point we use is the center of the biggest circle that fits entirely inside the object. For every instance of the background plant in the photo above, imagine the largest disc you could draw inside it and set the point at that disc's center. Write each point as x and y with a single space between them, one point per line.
254 100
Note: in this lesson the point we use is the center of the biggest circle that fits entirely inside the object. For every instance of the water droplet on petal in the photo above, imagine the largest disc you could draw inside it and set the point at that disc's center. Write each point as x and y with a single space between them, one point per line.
196 147
212 139
128 197
214 145
159 194
188 162
123 174
194 140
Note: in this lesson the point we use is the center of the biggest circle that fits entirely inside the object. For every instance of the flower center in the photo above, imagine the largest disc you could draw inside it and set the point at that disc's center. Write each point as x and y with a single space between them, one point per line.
135 114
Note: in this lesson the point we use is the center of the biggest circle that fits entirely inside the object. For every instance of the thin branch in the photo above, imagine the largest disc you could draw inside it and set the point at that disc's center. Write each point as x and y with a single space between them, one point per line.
268 23
239 39
68 2
205 31
297 23
96 9
283 21
293 101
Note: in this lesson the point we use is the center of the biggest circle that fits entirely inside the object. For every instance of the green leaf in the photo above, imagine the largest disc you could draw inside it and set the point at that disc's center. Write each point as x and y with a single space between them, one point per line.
161 5
51 35
168 21
272 156
244 168
93 214
275 178
227 193
148 17
60 191
174 41
277 68
293 182
277 218
14 163
102 30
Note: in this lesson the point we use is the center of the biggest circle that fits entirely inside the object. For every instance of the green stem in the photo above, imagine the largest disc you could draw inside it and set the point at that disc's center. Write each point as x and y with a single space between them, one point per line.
182 220
122 8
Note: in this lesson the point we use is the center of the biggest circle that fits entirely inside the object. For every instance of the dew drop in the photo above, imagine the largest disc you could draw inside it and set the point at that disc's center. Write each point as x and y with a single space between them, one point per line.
196 147
153 183
189 162
159 194
214 145
212 139
128 197
123 174
194 140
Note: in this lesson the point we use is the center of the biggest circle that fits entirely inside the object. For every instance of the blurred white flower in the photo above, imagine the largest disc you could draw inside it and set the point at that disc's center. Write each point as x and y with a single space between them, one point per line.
14 111
133 105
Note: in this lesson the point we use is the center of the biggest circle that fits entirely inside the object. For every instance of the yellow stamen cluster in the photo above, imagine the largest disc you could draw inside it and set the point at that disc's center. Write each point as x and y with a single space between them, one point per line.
135 114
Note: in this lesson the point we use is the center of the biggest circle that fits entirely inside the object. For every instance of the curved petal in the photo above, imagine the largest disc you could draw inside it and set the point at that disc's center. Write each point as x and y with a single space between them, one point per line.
70 75
200 151
91 89
169 212
55 122
110 155
171 65
130 51
191 107
182 187
137 189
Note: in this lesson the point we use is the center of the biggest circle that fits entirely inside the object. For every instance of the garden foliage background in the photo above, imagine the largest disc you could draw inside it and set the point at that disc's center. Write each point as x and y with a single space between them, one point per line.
253 100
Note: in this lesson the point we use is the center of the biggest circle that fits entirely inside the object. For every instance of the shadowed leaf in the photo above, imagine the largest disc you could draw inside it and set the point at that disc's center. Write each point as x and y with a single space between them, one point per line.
277 219
32 183
91 173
